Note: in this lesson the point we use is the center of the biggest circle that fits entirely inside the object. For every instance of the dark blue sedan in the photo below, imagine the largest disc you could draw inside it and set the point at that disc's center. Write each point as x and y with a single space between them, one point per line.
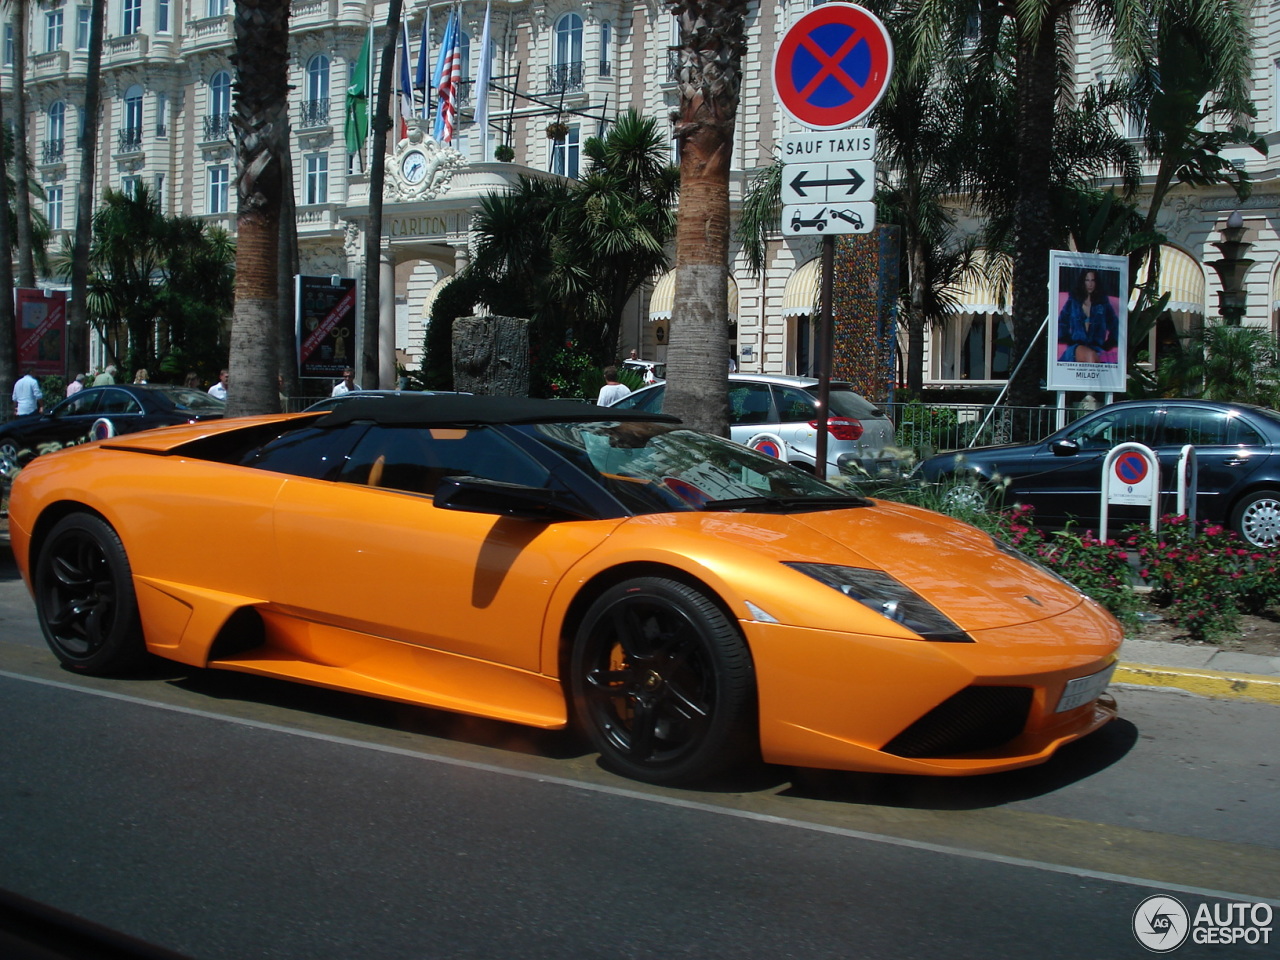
122 408
1237 450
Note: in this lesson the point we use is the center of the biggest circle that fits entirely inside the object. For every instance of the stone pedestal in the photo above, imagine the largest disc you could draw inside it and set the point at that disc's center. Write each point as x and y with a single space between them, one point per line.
491 356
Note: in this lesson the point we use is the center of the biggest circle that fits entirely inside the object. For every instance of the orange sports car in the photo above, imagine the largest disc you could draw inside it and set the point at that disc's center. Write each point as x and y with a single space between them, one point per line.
689 602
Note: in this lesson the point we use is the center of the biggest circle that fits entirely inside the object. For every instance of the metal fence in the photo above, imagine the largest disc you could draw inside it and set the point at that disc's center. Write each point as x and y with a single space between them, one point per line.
929 428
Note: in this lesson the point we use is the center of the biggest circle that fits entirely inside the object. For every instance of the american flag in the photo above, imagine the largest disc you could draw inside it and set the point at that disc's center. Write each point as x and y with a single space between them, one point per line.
448 74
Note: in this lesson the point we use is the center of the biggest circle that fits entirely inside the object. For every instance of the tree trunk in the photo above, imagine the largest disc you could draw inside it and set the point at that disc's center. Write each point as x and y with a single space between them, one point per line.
78 307
712 41
8 334
370 372
261 58
21 159
1037 90
287 330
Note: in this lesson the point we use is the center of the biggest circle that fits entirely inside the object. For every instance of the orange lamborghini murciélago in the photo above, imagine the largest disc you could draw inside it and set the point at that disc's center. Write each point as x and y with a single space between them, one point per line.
686 600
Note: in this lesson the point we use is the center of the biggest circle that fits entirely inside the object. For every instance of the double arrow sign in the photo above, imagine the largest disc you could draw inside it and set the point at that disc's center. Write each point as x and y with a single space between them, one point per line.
828 182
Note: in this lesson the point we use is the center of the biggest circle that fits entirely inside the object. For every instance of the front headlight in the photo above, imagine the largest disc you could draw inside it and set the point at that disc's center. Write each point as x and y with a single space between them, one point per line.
888 597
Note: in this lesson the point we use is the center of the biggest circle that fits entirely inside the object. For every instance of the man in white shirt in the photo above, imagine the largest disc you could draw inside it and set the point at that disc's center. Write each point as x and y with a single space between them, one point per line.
347 384
612 391
219 389
26 395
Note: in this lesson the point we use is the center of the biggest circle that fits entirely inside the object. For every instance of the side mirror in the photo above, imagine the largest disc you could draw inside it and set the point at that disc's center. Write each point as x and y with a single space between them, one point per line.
477 495
1065 448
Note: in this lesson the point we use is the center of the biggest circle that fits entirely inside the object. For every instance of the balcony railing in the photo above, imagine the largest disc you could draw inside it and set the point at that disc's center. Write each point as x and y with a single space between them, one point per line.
315 113
51 151
564 77
673 66
217 126
605 69
129 140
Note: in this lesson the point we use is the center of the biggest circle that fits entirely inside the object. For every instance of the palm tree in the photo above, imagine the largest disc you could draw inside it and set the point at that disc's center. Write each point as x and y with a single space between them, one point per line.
712 41
21 159
8 334
261 58
1037 34
77 306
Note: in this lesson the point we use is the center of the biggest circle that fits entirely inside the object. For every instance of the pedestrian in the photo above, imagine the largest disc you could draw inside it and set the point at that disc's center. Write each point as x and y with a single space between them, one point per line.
346 385
106 377
76 385
219 389
192 380
141 376
612 391
733 364
27 396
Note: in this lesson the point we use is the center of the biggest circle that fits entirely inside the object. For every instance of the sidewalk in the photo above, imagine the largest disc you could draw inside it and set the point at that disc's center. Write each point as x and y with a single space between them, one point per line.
1200 670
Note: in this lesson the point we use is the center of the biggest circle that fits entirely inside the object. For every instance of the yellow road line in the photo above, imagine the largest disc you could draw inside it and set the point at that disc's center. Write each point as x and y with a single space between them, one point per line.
1209 683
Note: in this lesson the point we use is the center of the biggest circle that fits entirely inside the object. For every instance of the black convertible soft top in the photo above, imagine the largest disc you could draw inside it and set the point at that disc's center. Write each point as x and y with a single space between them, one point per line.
459 409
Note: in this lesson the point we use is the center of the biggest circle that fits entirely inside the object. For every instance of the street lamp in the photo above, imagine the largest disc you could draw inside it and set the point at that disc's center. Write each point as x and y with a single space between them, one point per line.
1231 269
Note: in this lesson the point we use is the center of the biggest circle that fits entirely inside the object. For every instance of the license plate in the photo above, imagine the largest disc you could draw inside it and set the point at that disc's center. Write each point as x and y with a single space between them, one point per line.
1083 690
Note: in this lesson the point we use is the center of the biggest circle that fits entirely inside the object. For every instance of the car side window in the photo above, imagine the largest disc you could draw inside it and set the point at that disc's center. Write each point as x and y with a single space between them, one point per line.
749 402
650 401
796 406
1205 428
117 402
310 452
416 459
1129 425
80 406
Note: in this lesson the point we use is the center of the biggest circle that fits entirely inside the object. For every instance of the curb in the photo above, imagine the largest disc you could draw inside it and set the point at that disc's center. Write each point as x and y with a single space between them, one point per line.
1208 683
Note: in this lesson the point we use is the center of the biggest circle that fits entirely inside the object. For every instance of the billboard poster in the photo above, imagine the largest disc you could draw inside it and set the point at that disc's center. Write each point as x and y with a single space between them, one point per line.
326 325
41 320
1088 322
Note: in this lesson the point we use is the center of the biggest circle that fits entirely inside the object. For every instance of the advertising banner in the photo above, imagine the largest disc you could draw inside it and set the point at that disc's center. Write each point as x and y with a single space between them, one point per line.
1088 321
41 321
326 326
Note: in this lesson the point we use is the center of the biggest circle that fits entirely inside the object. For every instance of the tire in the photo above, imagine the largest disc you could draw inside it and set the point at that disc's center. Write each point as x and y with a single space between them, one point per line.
9 448
85 599
662 683
1257 518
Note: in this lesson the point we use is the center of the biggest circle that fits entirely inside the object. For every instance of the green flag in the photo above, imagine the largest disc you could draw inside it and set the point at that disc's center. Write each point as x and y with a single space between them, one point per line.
357 125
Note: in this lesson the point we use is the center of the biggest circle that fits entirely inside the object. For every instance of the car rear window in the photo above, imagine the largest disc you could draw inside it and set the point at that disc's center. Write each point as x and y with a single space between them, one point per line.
846 403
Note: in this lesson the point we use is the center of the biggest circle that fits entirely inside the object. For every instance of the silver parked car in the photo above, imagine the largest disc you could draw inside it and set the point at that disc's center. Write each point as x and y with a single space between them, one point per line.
778 415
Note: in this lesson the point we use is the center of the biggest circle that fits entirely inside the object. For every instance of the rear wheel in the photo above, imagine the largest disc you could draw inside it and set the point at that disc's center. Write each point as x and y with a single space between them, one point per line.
1257 518
85 599
662 682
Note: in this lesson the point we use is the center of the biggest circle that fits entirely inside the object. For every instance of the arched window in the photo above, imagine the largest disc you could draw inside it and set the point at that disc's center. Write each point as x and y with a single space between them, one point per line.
566 63
56 129
217 124
318 77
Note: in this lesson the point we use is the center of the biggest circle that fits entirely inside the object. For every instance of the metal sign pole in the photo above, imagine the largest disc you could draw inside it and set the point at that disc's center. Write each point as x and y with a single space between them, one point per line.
825 353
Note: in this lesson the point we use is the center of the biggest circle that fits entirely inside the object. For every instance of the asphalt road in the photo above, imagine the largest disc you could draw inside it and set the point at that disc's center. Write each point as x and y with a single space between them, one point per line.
227 816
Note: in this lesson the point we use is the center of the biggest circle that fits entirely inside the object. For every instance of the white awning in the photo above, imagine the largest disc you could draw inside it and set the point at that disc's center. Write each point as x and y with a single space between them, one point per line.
800 296
977 293
1181 277
663 299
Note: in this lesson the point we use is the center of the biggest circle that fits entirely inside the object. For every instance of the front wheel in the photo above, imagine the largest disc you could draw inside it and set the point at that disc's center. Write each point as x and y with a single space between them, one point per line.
662 682
1257 518
85 599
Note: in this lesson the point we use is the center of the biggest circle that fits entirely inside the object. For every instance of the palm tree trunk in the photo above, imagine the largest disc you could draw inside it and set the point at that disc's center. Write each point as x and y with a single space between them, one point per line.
261 57
1037 89
369 342
8 334
287 350
21 160
78 307
712 41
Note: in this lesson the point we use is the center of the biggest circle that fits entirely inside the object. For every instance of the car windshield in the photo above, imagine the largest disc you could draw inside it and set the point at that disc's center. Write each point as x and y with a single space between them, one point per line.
194 401
658 468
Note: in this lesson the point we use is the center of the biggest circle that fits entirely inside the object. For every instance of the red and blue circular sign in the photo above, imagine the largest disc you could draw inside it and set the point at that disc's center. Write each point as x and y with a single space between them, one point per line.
832 66
1131 468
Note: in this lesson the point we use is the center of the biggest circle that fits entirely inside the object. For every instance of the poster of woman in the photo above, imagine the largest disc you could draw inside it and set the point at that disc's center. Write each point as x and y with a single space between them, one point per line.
1088 321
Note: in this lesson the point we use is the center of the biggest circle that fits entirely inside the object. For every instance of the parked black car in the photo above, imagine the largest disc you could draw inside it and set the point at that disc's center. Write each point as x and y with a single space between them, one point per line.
128 408
1237 451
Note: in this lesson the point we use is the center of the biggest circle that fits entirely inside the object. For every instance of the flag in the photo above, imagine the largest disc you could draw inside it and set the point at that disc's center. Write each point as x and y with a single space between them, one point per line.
357 123
406 86
420 81
482 83
448 73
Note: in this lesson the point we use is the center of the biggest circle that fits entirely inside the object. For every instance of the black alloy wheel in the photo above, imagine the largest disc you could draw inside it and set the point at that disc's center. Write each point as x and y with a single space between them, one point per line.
663 682
85 599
